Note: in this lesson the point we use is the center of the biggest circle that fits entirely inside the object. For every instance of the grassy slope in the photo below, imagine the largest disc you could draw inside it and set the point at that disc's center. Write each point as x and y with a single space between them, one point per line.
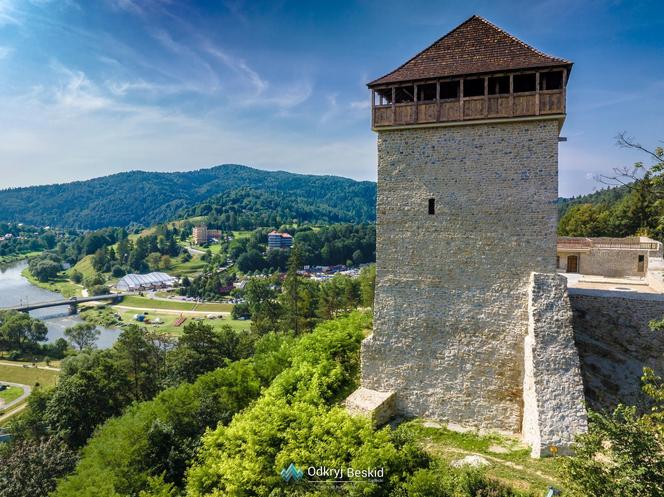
84 266
510 461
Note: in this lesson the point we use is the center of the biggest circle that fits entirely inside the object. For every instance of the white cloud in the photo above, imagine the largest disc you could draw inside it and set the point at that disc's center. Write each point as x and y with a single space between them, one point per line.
5 52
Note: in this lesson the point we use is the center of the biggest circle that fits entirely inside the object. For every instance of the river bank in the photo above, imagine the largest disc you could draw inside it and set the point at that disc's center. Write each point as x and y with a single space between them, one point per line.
60 285
17 289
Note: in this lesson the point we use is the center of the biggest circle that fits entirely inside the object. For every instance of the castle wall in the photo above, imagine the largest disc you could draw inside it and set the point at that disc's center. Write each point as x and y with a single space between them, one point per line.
615 343
451 309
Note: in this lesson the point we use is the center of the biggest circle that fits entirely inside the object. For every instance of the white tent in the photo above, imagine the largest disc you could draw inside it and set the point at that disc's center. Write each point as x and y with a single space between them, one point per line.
134 282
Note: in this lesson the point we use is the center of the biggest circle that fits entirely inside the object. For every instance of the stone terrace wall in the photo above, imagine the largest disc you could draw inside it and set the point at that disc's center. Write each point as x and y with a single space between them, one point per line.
451 307
615 343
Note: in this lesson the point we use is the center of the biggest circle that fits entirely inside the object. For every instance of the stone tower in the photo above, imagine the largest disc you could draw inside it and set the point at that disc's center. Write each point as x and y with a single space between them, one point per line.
472 325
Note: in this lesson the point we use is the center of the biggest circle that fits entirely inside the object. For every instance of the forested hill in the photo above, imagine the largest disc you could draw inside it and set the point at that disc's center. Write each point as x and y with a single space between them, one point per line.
607 196
149 197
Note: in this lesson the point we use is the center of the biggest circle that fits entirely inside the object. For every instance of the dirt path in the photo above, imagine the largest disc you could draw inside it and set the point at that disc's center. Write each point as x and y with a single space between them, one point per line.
26 365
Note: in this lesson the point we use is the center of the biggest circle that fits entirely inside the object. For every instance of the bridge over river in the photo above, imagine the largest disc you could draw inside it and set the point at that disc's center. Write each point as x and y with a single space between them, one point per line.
71 302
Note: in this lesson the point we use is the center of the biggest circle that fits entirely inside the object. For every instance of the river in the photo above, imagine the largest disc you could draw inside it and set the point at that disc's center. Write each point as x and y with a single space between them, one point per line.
16 290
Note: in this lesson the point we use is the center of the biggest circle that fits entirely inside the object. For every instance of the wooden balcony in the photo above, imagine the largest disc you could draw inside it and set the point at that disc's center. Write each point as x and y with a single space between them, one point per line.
426 107
540 103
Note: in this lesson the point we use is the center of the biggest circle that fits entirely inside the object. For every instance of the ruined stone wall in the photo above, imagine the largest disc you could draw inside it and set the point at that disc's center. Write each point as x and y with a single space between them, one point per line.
615 343
451 309
553 398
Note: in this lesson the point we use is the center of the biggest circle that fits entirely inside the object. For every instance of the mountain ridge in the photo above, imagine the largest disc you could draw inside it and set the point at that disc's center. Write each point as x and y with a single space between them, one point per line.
145 197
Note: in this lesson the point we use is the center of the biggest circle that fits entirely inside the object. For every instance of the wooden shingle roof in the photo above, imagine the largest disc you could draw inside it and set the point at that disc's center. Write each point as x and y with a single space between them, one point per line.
475 46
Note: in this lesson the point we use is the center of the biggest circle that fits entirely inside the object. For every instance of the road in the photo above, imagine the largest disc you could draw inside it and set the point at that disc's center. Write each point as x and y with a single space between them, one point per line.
194 251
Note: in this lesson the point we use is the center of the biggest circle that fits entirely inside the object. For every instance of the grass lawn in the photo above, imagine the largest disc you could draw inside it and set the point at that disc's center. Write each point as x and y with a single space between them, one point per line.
194 266
168 322
60 284
241 234
28 375
176 305
11 394
510 461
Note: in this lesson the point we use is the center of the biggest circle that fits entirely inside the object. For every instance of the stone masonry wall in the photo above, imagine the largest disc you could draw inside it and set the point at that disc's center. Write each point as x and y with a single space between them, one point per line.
613 262
451 309
553 396
615 343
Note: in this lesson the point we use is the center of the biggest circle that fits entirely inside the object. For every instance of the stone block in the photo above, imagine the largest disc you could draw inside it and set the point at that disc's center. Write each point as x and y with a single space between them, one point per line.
380 407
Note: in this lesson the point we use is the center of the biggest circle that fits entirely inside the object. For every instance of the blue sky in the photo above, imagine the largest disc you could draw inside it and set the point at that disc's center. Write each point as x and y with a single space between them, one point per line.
89 88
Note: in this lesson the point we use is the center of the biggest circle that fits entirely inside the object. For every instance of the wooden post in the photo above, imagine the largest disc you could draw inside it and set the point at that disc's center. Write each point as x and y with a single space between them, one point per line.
394 105
537 93
461 99
373 108
511 95
437 101
486 96
415 103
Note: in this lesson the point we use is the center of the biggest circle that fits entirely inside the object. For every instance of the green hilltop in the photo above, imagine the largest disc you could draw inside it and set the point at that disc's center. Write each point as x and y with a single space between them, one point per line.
148 198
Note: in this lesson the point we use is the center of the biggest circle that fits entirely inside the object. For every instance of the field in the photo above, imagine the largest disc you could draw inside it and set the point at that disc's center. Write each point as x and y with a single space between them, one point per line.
175 305
509 460
27 375
168 322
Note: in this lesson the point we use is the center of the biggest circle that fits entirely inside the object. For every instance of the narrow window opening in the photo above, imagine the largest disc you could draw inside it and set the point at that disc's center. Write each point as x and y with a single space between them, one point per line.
473 87
551 80
449 90
432 206
426 93
499 85
524 82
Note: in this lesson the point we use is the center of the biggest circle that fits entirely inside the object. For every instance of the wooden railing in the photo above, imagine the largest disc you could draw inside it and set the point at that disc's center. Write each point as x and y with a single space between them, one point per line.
536 103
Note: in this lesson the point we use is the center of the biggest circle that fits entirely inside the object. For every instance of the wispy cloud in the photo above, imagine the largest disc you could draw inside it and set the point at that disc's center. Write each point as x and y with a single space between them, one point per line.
9 13
239 66
5 52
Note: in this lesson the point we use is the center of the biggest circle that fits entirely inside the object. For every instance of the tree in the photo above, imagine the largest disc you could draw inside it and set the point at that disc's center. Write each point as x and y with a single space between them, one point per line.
291 296
76 276
623 452
45 270
368 285
585 220
153 260
201 348
31 467
19 331
142 355
83 335
265 310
